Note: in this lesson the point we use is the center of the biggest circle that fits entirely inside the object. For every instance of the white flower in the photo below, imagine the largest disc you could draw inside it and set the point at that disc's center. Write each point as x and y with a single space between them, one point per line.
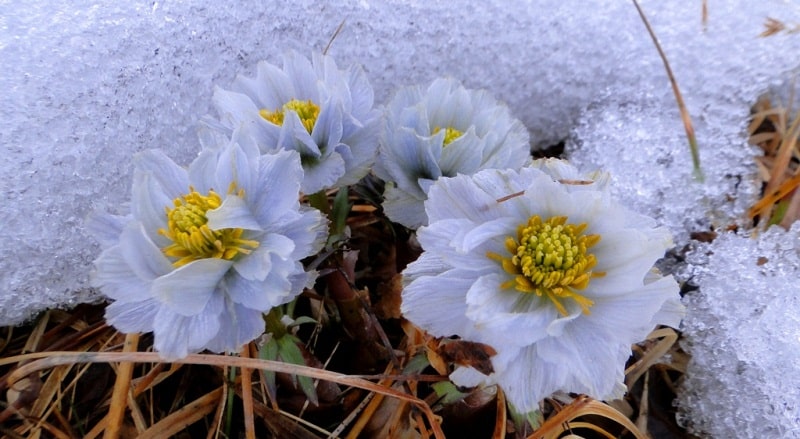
441 132
205 251
311 107
556 277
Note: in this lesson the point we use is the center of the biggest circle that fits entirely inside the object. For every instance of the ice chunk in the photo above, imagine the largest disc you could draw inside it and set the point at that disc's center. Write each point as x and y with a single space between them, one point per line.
743 332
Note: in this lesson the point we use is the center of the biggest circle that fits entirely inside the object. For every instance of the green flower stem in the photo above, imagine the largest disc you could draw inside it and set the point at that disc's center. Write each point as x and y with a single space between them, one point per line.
274 324
319 201
231 395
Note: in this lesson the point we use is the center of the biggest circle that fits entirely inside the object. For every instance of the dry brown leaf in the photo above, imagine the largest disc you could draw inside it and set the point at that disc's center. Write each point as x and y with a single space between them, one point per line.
467 353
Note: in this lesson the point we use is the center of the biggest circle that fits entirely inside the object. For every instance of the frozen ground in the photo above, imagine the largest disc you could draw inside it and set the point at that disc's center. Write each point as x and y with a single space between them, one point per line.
86 84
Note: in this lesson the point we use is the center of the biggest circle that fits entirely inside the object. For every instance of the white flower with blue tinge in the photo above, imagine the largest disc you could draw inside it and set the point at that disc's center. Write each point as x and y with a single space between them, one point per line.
205 251
442 131
556 276
312 107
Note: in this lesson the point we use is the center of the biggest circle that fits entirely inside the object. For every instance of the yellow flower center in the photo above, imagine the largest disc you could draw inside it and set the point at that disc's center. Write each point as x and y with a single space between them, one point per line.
550 259
191 237
450 134
307 111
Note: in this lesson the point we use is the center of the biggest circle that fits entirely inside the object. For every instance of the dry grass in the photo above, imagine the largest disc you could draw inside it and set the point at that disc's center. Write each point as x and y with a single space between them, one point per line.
775 131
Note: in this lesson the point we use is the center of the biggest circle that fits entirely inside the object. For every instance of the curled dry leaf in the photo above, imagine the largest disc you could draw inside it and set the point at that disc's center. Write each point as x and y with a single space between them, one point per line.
467 353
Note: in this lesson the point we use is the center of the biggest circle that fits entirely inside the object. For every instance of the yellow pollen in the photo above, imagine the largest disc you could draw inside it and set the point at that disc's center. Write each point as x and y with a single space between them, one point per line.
550 259
307 111
450 134
191 237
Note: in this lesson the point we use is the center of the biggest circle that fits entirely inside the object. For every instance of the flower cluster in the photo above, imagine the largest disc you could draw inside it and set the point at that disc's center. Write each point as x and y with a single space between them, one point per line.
532 258
206 250
544 267
442 131
312 107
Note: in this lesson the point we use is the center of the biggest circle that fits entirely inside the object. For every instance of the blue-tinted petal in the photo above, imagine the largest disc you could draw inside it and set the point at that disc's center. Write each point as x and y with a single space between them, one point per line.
172 178
322 174
279 178
257 265
114 277
131 317
149 204
404 208
238 325
105 228
188 289
177 335
235 169
234 213
142 256
299 69
260 295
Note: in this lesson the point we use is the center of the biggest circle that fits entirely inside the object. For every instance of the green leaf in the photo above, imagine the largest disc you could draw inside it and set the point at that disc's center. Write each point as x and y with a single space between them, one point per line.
290 353
338 216
417 364
302 320
270 352
447 392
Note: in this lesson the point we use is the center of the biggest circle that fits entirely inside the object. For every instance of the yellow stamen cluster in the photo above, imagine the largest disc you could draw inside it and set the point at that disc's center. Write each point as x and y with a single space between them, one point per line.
307 111
549 258
191 237
450 134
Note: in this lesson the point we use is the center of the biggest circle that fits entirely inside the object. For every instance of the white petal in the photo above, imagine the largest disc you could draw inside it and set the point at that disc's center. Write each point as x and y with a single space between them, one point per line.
257 265
469 377
327 131
462 156
362 97
202 172
272 86
527 379
105 228
187 290
635 314
115 278
299 69
457 197
260 295
234 213
437 303
322 174
131 317
142 256
236 167
307 228
294 136
497 313
626 257
177 335
238 325
149 204
445 238
279 178
234 108
171 178
501 227
404 208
